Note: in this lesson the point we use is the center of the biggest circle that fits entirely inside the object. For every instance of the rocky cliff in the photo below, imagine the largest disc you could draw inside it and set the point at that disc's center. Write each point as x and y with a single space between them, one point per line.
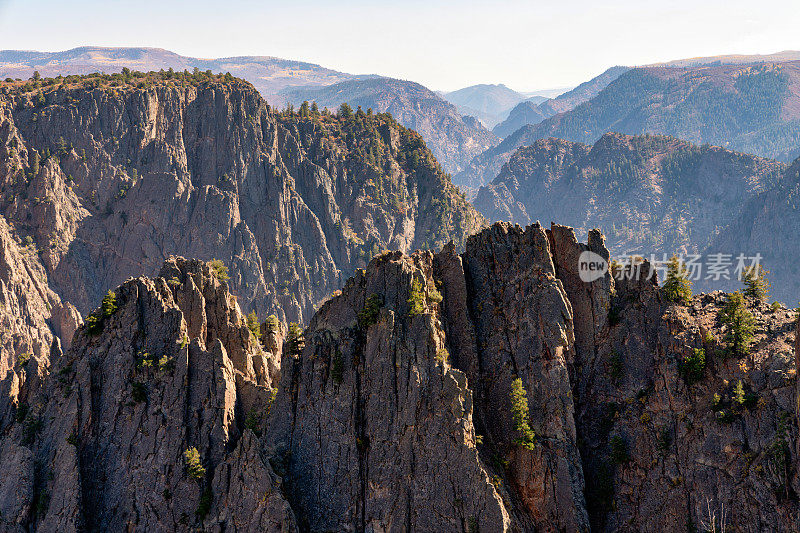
650 193
767 224
454 139
147 420
106 176
486 391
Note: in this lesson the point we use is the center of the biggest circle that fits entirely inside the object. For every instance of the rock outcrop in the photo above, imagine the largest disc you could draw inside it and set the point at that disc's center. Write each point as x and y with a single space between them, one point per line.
491 390
668 441
147 421
454 139
110 175
373 393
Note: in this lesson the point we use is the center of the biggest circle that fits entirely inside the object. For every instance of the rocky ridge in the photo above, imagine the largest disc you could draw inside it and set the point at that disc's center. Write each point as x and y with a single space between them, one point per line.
454 139
401 406
652 194
104 441
109 175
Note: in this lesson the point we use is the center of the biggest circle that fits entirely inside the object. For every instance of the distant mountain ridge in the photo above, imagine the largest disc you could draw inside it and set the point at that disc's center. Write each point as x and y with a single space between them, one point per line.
648 193
268 74
748 108
454 139
487 102
532 112
731 59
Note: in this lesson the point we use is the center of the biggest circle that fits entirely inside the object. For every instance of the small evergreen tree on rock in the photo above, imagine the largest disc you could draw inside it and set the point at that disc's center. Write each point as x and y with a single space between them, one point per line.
740 322
755 282
677 286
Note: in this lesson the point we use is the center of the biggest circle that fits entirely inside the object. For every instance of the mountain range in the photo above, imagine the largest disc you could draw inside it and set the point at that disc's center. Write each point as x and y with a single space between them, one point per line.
270 75
486 102
105 176
749 108
220 315
532 112
453 138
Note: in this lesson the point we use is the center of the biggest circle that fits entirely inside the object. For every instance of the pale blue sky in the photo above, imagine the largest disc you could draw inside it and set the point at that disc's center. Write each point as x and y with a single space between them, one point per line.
442 44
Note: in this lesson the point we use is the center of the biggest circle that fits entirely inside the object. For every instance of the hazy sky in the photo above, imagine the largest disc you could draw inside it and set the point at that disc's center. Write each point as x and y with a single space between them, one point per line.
442 44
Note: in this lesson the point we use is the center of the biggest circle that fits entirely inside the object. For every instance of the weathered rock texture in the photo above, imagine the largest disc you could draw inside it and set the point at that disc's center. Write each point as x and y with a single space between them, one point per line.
395 410
34 323
660 454
373 424
101 445
453 138
651 194
109 177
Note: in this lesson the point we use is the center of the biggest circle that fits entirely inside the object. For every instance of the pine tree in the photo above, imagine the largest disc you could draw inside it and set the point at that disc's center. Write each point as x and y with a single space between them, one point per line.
253 326
740 324
272 324
295 340
416 299
738 393
194 467
519 412
345 111
677 286
755 282
219 269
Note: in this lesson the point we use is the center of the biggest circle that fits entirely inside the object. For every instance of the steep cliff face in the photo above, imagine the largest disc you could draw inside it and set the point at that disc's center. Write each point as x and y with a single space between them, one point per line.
668 441
453 138
488 391
34 323
164 370
111 175
651 194
373 393
524 330
767 225
32 316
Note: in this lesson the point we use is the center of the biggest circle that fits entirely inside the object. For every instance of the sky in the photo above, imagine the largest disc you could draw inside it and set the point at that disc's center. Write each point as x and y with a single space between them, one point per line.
445 45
